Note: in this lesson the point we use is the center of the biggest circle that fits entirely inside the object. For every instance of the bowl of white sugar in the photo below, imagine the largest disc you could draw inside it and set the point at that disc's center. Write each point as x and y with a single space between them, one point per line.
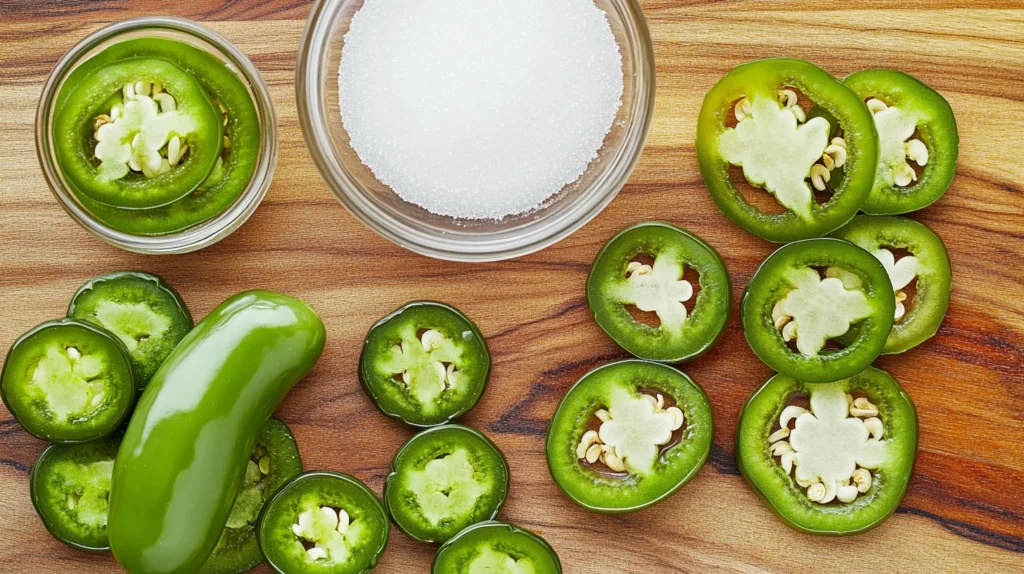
475 130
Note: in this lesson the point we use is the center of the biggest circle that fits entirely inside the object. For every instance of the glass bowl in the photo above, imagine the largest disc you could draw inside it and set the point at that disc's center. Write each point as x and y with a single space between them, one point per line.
203 234
445 237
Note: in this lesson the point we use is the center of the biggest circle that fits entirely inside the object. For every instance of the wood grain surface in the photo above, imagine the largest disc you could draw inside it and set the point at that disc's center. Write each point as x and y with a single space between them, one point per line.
964 511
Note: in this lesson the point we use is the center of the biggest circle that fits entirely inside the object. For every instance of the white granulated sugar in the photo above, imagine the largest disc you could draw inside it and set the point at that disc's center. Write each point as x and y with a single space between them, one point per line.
479 109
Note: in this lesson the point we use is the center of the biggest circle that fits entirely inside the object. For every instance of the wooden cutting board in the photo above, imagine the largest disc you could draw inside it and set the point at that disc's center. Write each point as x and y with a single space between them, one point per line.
964 511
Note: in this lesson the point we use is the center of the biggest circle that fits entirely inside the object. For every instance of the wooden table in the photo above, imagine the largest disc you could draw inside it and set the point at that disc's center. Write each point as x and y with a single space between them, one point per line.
964 511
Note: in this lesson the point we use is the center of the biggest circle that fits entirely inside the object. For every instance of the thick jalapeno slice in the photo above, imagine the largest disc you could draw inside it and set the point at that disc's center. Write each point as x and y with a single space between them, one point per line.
425 364
238 155
70 486
629 435
68 381
274 461
918 267
443 480
918 141
832 458
137 133
496 547
145 313
819 169
323 523
796 311
645 269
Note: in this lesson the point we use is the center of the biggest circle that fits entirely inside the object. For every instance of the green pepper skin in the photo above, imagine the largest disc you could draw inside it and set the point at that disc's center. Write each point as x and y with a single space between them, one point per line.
936 127
768 286
184 454
780 492
835 101
934 277
455 555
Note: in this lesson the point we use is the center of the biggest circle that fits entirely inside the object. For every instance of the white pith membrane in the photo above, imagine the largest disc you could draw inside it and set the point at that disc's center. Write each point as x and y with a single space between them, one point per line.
330 531
780 150
131 322
632 431
88 501
833 447
658 288
69 383
448 487
144 133
425 365
897 149
901 272
816 310
493 561
250 500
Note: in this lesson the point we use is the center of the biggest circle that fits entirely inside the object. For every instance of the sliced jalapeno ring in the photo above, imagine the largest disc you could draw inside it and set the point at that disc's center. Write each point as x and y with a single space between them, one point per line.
783 151
496 547
323 522
832 458
145 313
620 281
70 485
68 381
792 314
918 139
274 461
918 267
425 364
443 480
152 146
628 435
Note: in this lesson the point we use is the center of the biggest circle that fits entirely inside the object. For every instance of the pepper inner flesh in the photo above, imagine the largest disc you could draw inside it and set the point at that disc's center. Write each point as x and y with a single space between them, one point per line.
448 487
816 310
489 560
87 487
833 447
899 149
70 384
633 430
658 287
133 323
327 533
427 364
902 272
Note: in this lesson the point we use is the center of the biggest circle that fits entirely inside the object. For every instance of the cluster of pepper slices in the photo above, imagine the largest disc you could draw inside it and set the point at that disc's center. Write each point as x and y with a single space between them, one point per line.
659 269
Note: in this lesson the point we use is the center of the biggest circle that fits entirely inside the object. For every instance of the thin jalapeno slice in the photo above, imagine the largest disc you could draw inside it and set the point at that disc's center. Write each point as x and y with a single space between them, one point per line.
833 458
145 313
70 486
654 268
323 523
806 297
496 547
68 381
628 435
820 169
918 139
918 267
443 480
137 133
425 364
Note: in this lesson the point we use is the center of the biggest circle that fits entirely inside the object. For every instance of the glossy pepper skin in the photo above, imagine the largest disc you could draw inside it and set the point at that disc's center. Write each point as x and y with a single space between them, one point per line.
184 454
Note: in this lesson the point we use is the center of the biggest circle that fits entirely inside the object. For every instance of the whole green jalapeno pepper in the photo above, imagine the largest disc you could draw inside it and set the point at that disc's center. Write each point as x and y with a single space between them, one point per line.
185 452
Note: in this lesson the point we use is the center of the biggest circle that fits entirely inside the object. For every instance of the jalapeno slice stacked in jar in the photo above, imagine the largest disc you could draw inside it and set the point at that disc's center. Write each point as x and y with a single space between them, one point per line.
918 267
425 364
156 136
645 269
70 486
629 435
145 313
797 311
274 461
496 547
819 167
918 141
832 458
68 381
323 522
443 480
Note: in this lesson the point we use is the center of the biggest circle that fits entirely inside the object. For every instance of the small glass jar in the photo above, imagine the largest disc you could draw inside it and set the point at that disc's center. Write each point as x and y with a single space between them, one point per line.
443 237
202 234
